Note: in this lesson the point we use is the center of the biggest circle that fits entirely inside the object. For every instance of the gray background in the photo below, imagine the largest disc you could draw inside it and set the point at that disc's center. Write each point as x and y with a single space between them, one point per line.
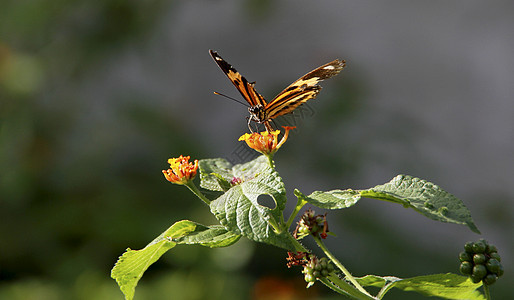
428 91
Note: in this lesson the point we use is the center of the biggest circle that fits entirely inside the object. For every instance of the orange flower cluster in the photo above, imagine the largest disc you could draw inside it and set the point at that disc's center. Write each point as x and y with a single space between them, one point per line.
181 170
265 142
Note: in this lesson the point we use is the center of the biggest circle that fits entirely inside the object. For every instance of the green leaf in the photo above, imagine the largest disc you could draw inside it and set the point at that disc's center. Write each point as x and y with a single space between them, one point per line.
238 209
212 236
343 287
217 173
335 199
212 170
133 263
447 286
424 197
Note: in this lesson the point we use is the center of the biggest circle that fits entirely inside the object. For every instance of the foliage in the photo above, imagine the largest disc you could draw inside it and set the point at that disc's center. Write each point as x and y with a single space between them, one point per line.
238 209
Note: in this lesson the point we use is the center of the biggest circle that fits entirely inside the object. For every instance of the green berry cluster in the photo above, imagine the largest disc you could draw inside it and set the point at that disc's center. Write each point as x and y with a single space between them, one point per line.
317 268
481 262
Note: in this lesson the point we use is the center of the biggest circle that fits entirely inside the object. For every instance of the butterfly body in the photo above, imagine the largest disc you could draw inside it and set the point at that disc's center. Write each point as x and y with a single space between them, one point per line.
303 89
257 113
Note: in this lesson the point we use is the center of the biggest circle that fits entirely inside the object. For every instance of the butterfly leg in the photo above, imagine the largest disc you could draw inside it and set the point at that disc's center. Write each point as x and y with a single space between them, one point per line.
268 126
249 126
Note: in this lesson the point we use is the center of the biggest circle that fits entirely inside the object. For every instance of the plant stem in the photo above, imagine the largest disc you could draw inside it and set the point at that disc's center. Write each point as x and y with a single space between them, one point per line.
299 204
340 266
486 291
197 192
270 161
298 246
276 227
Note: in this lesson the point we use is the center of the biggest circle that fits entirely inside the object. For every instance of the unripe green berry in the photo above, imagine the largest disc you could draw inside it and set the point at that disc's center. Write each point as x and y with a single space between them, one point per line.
475 279
304 230
484 241
491 249
479 258
307 270
495 255
323 263
464 256
479 247
490 279
316 274
324 273
493 265
500 271
466 268
479 271
318 266
468 247
330 268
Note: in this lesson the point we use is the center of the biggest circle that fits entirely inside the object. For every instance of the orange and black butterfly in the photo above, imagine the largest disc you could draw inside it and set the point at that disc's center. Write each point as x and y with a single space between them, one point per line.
286 101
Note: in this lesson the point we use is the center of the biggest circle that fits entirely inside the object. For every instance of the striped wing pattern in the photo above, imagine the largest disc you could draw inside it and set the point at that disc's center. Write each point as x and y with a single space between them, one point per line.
242 85
303 89
285 102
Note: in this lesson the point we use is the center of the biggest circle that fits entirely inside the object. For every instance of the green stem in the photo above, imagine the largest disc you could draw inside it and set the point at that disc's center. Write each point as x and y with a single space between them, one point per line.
270 160
486 291
299 204
348 275
298 247
383 290
190 184
283 222
276 227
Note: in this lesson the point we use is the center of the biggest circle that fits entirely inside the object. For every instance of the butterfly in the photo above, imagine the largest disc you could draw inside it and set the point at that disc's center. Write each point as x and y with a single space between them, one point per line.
297 93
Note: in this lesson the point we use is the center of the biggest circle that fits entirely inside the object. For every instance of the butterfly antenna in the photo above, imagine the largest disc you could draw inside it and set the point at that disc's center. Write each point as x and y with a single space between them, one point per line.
228 97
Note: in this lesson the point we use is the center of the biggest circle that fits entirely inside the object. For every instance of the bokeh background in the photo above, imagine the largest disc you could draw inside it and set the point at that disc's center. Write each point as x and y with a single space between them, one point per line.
95 96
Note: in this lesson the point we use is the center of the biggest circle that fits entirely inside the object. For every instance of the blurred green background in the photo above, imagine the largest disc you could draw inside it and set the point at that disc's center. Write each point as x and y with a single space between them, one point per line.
95 96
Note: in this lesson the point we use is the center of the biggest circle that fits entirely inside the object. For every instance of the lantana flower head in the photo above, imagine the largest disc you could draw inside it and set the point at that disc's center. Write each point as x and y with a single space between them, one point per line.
181 171
266 142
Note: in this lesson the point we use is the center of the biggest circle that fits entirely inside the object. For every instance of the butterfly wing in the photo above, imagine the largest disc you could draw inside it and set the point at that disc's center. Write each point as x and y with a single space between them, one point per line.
303 89
242 85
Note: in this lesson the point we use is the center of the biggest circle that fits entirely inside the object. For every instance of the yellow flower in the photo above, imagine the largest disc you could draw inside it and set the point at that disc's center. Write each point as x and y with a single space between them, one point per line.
265 142
181 170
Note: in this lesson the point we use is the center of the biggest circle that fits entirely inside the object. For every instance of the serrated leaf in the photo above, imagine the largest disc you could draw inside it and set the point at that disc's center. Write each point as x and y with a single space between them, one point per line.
424 197
217 172
133 263
376 281
209 167
335 199
212 236
239 211
447 286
